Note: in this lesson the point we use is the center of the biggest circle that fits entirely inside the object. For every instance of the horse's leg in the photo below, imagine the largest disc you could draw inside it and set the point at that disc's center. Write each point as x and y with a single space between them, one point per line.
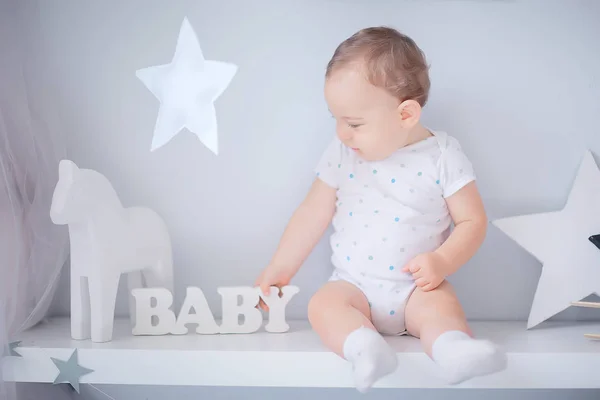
80 307
103 296
134 281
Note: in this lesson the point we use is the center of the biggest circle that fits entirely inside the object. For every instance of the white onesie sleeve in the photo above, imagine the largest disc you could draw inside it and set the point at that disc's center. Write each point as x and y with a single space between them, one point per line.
456 169
328 168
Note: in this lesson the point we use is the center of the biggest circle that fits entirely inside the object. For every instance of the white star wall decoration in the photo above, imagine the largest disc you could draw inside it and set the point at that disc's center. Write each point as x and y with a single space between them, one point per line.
560 241
187 89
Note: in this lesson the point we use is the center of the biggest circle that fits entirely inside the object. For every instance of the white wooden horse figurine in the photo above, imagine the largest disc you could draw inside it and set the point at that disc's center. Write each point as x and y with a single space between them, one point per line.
106 241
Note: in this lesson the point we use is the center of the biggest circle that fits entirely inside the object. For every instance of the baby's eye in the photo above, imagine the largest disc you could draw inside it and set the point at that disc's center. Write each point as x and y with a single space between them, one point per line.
354 126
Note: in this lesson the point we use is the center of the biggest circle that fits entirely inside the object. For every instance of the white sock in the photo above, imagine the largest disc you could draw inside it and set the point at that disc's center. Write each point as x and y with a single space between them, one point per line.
462 357
371 357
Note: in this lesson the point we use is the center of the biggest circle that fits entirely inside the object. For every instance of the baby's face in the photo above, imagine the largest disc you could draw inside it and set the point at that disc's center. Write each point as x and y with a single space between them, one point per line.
367 117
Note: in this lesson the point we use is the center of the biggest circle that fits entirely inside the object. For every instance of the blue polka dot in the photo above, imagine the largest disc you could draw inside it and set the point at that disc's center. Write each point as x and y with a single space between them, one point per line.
438 181
350 213
370 304
371 258
438 221
337 245
391 267
348 258
393 180
351 176
318 173
392 312
376 211
339 165
396 219
420 173
374 171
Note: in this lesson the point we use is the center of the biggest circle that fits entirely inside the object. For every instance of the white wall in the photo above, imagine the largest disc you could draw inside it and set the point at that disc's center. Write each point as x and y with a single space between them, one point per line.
516 81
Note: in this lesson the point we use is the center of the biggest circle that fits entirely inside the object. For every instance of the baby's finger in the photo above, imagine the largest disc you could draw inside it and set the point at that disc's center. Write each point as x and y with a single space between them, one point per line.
421 282
418 274
414 268
265 288
262 305
428 287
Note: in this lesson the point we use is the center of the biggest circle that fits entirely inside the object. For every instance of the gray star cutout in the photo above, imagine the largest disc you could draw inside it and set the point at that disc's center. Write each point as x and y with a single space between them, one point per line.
70 371
11 350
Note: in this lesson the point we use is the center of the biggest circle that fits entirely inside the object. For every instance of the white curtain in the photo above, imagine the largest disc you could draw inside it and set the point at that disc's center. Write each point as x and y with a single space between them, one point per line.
32 249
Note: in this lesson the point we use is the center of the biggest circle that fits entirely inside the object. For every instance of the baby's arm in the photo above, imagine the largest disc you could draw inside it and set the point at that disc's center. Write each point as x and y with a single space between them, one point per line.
470 220
307 225
304 230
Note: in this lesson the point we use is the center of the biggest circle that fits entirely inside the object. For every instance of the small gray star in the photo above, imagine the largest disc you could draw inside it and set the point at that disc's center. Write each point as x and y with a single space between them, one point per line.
11 350
70 371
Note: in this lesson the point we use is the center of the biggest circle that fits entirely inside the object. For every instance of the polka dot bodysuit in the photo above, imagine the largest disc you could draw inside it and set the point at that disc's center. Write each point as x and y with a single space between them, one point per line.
387 213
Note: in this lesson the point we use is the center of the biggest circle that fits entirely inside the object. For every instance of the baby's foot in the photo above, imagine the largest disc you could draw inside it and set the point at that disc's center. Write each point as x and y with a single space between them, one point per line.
371 357
462 357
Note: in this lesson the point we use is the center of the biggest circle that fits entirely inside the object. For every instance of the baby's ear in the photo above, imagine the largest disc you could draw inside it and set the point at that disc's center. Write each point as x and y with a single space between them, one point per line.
410 113
67 170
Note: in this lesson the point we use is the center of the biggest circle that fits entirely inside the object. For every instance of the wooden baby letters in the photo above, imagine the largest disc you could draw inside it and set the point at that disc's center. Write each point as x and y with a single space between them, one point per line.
155 303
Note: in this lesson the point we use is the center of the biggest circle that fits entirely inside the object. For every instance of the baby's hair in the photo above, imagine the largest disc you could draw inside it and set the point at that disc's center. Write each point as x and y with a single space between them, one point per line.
390 59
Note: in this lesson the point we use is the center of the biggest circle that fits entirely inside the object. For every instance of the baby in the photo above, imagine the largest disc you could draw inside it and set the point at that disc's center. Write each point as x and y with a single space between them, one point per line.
391 187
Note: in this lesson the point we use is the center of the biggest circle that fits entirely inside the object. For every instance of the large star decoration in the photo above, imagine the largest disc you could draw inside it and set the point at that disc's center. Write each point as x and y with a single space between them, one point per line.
559 240
187 89
70 371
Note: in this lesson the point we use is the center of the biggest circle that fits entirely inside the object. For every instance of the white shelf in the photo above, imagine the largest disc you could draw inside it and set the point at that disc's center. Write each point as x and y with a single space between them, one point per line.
554 355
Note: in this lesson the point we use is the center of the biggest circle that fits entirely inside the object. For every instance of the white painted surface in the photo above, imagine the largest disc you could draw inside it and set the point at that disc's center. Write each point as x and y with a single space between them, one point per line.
559 239
187 88
106 241
554 355
195 311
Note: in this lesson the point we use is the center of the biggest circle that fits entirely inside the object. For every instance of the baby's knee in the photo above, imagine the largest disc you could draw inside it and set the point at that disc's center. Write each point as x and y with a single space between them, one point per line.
316 304
322 302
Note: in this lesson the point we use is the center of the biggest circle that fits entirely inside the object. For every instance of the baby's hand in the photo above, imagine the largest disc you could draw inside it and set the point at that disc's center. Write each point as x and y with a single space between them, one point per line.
272 275
428 270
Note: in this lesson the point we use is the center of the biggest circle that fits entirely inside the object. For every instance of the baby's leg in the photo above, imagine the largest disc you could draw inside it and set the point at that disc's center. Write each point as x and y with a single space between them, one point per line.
339 313
438 319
